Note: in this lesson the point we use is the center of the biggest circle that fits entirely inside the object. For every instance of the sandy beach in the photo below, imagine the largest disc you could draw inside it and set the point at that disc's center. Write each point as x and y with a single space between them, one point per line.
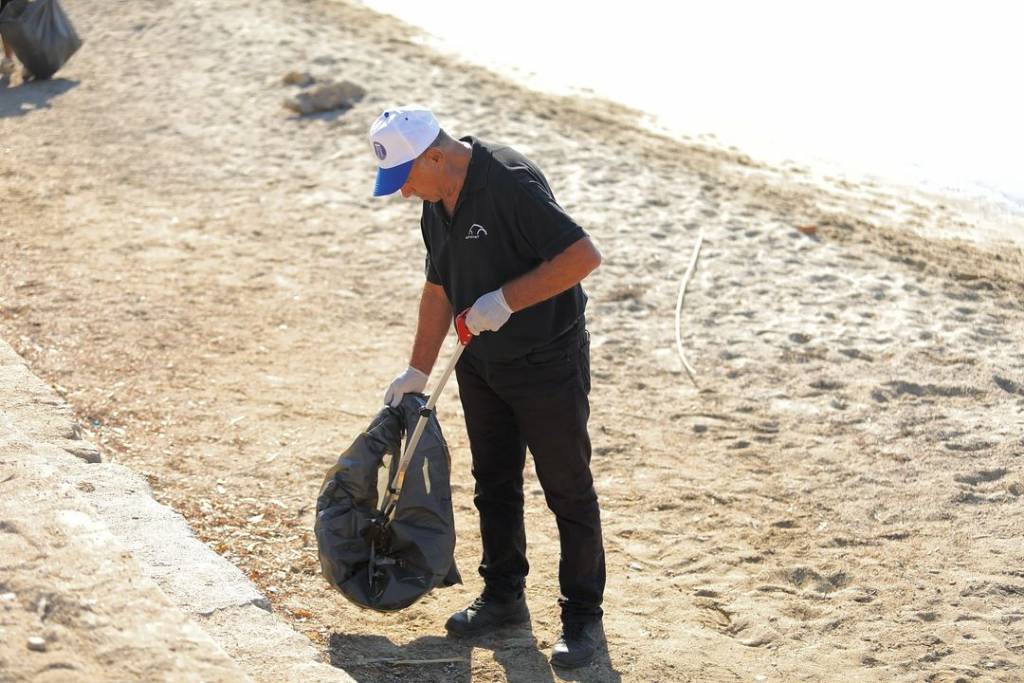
203 275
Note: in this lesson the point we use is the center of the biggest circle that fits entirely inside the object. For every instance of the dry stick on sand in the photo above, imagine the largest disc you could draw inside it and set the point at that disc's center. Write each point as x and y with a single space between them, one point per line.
679 306
446 660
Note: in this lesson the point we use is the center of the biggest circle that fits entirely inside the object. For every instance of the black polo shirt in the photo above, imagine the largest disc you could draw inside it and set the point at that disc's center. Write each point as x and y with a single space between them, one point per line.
506 222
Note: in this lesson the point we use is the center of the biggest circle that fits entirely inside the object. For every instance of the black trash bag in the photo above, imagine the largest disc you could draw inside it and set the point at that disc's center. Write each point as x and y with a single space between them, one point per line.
389 568
41 34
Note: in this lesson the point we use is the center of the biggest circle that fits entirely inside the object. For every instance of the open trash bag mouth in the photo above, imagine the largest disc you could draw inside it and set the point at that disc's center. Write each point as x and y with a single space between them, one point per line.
389 567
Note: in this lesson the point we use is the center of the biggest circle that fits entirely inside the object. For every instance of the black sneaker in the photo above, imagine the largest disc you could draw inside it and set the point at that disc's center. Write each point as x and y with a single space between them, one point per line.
578 644
487 614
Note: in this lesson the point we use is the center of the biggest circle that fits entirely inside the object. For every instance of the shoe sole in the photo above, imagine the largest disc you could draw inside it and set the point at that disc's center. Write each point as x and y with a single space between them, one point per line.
574 665
504 623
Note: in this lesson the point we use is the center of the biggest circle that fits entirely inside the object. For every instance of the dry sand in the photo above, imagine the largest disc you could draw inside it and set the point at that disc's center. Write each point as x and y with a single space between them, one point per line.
205 278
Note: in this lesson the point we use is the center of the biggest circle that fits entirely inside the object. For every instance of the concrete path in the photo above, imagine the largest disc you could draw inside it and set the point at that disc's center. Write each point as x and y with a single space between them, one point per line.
98 581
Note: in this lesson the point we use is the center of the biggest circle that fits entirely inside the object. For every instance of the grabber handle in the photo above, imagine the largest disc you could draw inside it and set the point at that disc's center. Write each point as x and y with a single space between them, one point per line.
395 490
462 329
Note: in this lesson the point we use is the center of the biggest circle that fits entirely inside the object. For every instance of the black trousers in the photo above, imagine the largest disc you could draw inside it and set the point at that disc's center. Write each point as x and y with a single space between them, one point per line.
541 402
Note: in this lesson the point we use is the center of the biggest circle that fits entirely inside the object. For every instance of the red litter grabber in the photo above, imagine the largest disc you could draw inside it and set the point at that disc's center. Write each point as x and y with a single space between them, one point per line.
395 490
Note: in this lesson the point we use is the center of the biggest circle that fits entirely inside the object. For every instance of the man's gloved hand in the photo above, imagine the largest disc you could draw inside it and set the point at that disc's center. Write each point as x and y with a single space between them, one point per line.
410 381
489 313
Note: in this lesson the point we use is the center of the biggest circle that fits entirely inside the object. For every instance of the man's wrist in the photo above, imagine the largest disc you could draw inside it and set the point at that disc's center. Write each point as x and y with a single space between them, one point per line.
503 301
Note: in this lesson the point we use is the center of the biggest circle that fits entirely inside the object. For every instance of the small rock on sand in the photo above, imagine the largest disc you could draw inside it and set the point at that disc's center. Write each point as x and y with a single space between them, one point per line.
37 644
301 78
326 97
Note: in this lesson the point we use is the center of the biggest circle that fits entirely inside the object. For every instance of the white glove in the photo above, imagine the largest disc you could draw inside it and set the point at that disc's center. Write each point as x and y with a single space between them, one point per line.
409 382
489 313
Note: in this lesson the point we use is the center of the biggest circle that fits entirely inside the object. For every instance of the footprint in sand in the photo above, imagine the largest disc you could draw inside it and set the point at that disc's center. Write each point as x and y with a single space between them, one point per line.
1008 385
971 498
901 388
969 446
714 616
980 476
958 675
806 578
826 385
856 354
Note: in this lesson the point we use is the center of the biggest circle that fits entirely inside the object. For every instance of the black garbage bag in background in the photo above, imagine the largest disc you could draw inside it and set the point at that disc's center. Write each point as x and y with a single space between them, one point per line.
41 34
390 568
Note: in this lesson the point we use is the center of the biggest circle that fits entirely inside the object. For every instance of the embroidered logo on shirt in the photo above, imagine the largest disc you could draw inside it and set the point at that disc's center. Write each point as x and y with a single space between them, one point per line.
476 232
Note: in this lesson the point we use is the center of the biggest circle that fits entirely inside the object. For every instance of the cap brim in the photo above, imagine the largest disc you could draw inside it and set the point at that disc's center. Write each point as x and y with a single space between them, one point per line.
390 180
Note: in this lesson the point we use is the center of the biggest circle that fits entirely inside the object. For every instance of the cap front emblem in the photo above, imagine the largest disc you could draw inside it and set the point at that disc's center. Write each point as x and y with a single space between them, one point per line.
379 150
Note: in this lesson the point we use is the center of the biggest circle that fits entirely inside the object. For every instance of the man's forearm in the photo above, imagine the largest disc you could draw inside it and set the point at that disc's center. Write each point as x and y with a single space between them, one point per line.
553 277
435 319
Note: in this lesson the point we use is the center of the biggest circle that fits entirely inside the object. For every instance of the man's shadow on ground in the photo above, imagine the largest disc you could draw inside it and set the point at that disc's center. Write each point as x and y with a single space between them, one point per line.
29 96
376 659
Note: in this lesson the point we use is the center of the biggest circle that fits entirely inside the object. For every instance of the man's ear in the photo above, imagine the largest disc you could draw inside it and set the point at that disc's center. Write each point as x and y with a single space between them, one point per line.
434 156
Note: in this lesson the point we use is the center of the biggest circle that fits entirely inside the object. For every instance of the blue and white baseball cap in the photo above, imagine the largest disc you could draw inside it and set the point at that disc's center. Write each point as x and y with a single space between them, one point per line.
397 137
